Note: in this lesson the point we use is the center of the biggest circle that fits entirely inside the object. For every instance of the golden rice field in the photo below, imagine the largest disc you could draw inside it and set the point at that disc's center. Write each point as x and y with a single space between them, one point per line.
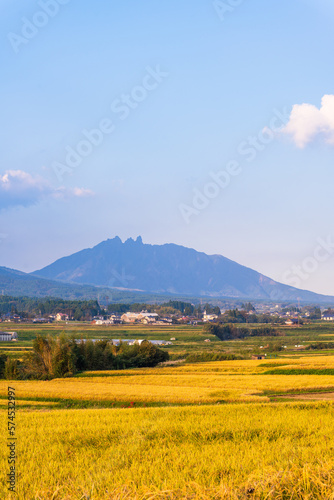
277 451
194 449
224 381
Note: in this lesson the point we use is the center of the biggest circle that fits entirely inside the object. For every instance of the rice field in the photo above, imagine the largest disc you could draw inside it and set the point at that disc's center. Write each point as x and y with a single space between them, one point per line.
223 381
276 451
202 431
189 338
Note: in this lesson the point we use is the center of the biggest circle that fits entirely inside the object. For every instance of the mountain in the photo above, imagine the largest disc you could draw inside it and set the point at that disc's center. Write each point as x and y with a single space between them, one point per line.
18 284
170 269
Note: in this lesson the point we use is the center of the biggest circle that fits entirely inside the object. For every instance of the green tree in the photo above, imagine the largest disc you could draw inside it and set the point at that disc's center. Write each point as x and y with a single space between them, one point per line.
3 359
13 369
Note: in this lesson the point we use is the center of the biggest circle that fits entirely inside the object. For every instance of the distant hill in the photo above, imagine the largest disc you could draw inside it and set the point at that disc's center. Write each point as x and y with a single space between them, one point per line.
169 269
18 284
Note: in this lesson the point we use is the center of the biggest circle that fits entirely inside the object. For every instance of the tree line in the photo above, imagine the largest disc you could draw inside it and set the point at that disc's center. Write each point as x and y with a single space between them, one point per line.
65 356
80 310
246 316
170 307
321 346
231 332
28 307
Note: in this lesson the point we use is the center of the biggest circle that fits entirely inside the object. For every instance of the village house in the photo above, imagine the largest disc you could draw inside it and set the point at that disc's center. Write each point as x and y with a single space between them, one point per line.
98 322
328 316
209 317
61 317
148 321
115 319
293 321
105 322
41 320
144 316
8 336
165 321
149 317
130 317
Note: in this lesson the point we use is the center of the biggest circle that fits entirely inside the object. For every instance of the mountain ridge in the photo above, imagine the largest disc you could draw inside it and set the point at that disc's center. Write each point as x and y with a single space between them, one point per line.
15 283
168 268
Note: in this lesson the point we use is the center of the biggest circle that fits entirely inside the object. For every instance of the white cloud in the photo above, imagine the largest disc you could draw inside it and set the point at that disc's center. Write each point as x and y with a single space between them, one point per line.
308 123
63 193
82 193
19 188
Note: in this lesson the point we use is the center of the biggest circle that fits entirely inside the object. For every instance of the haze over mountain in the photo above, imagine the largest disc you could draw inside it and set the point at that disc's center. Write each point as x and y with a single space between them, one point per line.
171 269
18 284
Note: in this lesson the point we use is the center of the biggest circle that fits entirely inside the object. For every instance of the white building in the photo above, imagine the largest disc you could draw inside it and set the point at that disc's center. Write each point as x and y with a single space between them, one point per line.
146 314
209 317
146 317
328 316
8 336
61 317
130 317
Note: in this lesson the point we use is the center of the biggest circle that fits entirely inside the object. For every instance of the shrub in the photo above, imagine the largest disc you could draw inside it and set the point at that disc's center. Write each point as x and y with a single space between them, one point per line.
64 357
211 356
231 332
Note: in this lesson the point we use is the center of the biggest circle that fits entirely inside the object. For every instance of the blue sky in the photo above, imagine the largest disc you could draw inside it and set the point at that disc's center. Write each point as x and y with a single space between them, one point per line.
181 92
